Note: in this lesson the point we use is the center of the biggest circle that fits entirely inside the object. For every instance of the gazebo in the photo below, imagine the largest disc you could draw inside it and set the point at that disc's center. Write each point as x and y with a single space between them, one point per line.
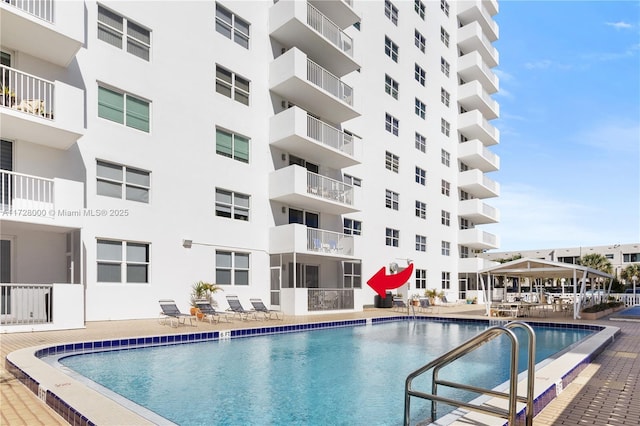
538 268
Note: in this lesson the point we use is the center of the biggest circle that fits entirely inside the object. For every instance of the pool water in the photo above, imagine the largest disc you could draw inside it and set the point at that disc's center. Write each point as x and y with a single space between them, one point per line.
340 376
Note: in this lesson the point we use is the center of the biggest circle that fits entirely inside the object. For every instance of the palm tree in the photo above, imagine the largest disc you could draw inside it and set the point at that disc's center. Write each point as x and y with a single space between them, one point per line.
596 261
630 271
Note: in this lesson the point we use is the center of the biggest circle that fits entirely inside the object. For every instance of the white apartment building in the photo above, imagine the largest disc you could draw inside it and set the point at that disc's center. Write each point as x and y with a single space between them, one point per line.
283 150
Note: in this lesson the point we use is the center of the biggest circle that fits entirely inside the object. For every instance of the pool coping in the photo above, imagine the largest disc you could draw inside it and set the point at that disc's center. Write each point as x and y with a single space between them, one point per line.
79 404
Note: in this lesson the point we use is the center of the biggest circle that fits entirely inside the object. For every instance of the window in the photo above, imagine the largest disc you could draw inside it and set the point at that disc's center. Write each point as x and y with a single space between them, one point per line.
444 6
229 25
391 49
444 36
232 145
352 227
232 268
419 8
122 261
446 187
421 243
232 205
391 162
392 237
445 157
421 278
444 97
464 252
115 180
446 280
352 277
232 85
391 125
421 176
630 257
420 41
445 127
420 75
112 28
444 66
391 12
351 180
391 200
445 218
421 143
420 109
391 86
303 217
608 256
446 248
123 108
465 223
357 26
421 209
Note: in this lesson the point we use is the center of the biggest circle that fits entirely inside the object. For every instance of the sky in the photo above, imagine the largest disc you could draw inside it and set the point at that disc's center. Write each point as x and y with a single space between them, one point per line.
569 124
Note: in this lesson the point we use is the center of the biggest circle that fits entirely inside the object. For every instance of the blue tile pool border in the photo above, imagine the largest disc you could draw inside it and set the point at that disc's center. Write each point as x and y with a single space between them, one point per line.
74 417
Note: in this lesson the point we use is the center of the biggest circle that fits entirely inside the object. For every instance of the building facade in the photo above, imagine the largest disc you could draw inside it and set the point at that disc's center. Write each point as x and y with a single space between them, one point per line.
284 150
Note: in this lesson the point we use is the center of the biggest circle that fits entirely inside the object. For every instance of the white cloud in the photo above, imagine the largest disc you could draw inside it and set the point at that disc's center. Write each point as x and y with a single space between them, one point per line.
542 64
619 25
616 135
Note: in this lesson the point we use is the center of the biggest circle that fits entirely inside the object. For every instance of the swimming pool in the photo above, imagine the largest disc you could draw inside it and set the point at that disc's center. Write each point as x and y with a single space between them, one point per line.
349 375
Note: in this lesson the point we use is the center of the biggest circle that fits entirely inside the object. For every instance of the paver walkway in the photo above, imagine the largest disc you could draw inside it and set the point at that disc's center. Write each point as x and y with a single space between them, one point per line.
607 392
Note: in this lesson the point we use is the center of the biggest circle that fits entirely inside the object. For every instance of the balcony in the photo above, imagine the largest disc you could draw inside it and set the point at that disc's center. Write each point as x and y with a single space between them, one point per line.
472 67
306 84
477 156
478 184
299 238
478 212
474 264
478 239
300 134
34 199
300 24
475 10
45 112
474 126
297 186
472 96
340 13
471 37
47 29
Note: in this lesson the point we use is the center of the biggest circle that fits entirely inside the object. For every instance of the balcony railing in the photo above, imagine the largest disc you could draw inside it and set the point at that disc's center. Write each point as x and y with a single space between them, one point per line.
27 93
42 9
26 304
329 135
329 189
329 299
321 241
333 33
329 82
25 192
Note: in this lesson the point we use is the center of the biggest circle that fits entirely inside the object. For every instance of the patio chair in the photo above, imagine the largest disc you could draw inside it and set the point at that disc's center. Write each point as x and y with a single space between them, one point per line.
170 311
210 313
399 305
236 307
425 306
259 306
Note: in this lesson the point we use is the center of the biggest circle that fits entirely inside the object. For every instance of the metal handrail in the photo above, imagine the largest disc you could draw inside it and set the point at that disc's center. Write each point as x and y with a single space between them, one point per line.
470 345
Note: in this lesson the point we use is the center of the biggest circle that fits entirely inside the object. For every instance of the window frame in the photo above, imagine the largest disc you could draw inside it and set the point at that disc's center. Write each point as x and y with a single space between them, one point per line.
234 31
445 187
421 209
236 211
391 12
445 97
234 152
391 86
444 36
419 41
445 157
421 278
420 109
445 248
420 142
123 183
445 127
421 243
233 269
391 49
353 277
392 237
127 116
445 218
391 124
444 6
124 33
421 176
445 67
420 75
124 262
353 227
392 161
235 92
419 8
391 199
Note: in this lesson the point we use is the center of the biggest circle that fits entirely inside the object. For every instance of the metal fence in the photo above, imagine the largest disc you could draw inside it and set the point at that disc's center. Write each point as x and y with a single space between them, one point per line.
329 299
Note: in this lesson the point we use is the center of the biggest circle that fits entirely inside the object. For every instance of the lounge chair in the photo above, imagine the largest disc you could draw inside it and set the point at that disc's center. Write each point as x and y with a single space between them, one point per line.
210 313
236 307
170 311
399 305
425 306
259 306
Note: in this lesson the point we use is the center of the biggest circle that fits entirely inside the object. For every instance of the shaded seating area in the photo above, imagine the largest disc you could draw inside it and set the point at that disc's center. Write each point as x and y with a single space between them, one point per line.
259 306
171 312
209 313
236 307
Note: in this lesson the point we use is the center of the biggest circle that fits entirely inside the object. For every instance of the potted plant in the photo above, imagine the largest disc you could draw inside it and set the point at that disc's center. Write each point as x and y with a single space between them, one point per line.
431 295
201 290
8 96
415 299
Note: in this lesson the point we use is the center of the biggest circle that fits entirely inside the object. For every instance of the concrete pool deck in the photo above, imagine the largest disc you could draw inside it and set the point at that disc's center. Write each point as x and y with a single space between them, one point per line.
602 393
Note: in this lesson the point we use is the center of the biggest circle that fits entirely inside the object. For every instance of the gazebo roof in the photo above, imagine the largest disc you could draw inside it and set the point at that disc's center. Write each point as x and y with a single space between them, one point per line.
538 268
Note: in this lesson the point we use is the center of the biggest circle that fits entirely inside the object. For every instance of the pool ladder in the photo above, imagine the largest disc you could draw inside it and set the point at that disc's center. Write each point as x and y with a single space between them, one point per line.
469 346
